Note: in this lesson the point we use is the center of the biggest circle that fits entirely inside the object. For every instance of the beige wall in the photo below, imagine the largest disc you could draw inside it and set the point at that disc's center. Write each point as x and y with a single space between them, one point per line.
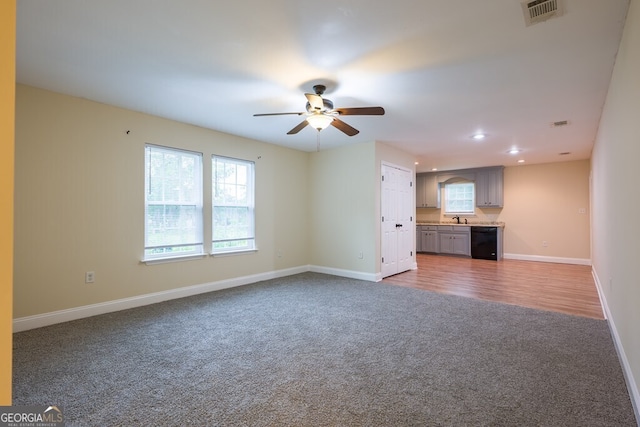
7 102
342 206
616 200
79 204
541 203
344 199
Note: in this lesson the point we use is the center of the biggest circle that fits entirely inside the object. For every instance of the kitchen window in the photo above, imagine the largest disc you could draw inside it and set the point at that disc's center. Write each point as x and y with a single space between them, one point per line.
173 203
460 198
233 205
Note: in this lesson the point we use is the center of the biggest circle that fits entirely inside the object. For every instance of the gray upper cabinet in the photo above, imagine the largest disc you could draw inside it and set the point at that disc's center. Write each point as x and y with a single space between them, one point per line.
426 190
489 187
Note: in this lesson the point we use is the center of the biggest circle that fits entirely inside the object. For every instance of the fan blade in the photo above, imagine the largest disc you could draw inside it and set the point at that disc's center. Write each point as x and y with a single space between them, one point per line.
349 130
315 101
361 111
298 128
276 114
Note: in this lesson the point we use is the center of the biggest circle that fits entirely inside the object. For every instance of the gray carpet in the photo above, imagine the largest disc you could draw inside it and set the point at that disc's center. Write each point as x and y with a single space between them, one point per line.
319 350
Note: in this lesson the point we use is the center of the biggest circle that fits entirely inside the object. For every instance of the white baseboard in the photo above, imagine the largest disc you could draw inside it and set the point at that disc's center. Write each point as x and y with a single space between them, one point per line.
370 277
540 258
632 385
31 322
378 276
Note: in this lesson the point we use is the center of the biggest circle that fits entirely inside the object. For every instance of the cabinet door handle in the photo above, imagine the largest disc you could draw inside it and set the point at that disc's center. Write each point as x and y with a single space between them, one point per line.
398 225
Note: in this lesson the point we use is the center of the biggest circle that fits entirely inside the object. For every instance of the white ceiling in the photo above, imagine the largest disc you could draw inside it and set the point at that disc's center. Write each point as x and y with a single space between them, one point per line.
442 69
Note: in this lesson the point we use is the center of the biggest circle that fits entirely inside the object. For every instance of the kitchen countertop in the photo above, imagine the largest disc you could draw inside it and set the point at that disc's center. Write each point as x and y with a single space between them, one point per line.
470 224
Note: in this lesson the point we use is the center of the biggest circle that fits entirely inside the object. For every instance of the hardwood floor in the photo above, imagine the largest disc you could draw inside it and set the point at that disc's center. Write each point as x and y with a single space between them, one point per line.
565 288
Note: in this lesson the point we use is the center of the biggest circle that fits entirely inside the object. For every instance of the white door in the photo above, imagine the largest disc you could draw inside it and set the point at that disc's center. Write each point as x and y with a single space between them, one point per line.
396 220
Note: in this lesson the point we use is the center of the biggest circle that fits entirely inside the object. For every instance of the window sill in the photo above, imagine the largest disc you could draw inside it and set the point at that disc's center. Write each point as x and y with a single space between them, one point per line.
152 261
229 253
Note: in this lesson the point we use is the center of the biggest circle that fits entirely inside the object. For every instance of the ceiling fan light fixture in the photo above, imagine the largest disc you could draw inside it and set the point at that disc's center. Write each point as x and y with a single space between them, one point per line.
320 114
319 121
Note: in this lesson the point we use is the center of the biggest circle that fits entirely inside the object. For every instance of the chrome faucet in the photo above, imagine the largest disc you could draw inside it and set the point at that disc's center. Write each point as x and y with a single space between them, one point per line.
456 218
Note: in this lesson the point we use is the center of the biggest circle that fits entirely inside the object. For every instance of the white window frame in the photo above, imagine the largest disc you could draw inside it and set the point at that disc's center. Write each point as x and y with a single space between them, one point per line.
458 194
244 240
183 193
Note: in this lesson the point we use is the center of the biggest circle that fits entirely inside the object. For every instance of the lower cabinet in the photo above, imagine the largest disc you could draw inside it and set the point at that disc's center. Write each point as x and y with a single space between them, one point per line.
444 239
455 240
427 238
429 241
455 243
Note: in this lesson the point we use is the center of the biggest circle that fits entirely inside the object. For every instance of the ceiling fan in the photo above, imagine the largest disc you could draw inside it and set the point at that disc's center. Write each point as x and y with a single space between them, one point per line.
320 113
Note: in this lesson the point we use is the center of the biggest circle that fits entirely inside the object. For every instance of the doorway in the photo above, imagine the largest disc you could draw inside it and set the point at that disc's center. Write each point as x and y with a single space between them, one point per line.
396 198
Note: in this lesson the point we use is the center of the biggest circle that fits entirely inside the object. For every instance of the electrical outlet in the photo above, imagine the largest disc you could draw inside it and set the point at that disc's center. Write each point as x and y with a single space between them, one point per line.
89 277
360 255
545 243
582 211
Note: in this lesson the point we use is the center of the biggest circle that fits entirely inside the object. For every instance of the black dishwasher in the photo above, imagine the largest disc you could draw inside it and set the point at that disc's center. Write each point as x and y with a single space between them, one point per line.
484 242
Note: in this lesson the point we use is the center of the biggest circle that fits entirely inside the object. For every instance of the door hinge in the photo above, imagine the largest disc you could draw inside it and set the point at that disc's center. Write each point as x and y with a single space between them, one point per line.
383 260
383 177
411 253
382 219
410 219
411 184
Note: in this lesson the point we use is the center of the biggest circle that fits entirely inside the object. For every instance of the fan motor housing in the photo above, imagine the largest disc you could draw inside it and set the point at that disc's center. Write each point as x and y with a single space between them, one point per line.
326 103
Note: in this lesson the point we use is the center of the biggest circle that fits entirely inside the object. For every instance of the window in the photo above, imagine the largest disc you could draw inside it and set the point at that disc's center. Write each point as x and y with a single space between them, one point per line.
173 203
233 205
460 198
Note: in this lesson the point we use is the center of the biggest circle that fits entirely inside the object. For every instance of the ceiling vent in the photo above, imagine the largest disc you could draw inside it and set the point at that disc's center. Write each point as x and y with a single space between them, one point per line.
540 10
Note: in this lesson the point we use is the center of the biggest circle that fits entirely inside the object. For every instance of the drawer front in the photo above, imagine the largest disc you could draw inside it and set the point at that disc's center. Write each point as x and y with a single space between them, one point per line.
458 228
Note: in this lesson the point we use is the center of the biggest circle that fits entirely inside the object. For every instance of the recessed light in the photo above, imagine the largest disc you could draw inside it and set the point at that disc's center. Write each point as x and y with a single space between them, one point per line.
479 136
513 151
521 161
416 163
434 169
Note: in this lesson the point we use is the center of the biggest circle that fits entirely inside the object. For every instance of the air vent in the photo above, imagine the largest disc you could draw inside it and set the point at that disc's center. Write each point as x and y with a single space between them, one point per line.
560 123
541 10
